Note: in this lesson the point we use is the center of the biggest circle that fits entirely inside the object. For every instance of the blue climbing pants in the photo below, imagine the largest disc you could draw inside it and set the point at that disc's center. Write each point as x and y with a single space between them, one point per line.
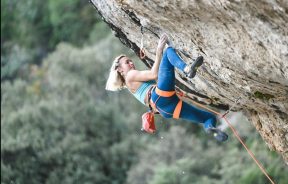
166 82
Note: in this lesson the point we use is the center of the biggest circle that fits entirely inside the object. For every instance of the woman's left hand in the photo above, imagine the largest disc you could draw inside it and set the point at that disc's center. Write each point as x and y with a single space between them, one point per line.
161 43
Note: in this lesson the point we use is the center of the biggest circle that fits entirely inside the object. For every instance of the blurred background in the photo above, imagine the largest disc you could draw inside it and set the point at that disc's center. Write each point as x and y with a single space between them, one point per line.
59 125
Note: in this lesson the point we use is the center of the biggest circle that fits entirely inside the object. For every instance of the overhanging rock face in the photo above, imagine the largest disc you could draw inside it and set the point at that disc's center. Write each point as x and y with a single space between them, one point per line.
244 43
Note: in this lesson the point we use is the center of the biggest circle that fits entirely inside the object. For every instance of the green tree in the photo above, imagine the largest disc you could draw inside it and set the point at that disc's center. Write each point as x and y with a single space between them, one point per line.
36 27
59 125
182 158
72 20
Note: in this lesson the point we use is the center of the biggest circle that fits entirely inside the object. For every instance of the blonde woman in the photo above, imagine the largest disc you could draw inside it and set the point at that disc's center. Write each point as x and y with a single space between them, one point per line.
162 95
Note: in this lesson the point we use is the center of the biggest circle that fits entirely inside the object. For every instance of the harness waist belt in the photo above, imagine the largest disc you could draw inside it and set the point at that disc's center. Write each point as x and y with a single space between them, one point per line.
164 93
177 110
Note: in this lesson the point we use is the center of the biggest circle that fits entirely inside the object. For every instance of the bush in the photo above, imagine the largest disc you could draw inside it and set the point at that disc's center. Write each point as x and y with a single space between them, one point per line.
59 125
36 27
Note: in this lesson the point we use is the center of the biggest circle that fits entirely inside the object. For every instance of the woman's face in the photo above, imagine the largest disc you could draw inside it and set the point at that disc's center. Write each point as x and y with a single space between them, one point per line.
126 64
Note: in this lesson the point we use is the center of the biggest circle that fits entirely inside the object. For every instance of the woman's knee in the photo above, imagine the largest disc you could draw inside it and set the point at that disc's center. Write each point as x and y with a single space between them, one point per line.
169 49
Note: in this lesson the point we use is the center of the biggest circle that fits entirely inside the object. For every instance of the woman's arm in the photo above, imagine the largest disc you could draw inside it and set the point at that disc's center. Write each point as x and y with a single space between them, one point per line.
146 75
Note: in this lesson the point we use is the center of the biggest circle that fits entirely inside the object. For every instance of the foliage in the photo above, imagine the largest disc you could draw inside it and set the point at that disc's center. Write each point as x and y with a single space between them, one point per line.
36 27
60 126
75 24
180 158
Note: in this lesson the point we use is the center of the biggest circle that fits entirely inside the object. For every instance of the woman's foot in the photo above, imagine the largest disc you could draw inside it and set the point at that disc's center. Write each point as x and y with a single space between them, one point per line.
217 134
190 70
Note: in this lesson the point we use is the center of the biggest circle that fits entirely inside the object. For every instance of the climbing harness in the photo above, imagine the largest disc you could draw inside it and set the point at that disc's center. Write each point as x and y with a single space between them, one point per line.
161 93
148 123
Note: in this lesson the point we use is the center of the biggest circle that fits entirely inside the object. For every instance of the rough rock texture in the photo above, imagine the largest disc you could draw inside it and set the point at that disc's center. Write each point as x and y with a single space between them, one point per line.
244 43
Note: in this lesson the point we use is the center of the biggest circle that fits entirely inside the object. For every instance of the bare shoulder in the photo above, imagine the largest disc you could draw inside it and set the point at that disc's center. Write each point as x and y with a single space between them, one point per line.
131 75
131 83
140 76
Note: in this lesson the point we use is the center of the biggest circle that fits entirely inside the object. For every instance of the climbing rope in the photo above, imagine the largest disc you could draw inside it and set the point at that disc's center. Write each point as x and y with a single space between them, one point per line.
248 150
235 133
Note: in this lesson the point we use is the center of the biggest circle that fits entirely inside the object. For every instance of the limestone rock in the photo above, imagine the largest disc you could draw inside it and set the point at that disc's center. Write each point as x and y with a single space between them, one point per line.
244 43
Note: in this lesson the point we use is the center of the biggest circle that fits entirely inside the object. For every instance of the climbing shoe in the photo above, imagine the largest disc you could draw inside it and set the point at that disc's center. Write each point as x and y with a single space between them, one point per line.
217 134
192 68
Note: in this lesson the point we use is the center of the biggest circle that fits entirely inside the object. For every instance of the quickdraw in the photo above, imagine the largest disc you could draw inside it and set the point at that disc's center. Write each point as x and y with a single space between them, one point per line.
142 51
227 112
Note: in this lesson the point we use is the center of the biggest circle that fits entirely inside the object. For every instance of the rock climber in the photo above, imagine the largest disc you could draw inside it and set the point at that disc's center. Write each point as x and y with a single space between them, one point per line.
162 95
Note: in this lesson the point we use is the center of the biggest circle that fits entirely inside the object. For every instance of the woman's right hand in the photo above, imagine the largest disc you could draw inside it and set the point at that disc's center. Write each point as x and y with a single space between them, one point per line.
161 43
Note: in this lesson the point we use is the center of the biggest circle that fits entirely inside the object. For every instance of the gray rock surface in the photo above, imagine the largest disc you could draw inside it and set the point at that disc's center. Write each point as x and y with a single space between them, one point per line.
244 43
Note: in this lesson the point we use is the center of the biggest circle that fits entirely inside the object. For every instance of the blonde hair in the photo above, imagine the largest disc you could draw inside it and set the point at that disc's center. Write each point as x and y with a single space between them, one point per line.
115 81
